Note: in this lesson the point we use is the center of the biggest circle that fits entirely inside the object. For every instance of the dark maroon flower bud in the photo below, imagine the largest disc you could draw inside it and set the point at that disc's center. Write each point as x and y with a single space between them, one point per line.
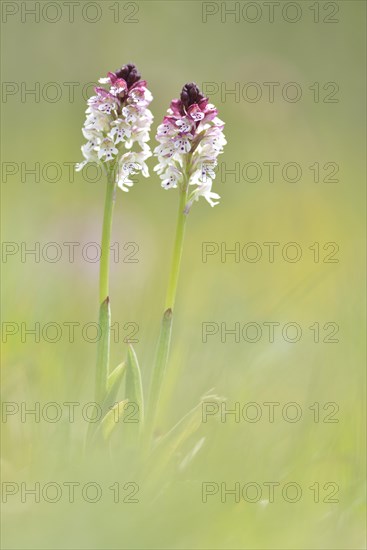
129 73
190 94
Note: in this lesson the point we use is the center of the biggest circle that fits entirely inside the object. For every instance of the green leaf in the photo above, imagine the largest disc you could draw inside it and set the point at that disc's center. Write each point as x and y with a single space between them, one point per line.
103 353
188 425
112 418
113 382
134 388
115 376
168 446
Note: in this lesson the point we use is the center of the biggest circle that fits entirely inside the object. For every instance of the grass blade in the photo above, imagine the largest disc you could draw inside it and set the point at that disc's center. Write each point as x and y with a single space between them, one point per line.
112 418
169 445
113 383
134 387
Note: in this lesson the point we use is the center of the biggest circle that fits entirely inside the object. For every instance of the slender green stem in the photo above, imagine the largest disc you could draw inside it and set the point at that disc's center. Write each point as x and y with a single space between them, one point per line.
164 341
177 251
103 351
104 270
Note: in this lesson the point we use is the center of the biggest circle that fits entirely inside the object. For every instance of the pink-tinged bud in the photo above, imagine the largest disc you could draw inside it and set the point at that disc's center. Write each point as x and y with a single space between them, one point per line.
118 119
190 140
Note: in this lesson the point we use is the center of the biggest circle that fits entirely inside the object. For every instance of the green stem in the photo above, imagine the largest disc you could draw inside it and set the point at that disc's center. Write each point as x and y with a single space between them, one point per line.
177 251
103 350
104 270
164 341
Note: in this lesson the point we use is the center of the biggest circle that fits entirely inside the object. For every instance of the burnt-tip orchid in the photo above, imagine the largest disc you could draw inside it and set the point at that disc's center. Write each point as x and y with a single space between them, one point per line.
118 119
190 140
117 130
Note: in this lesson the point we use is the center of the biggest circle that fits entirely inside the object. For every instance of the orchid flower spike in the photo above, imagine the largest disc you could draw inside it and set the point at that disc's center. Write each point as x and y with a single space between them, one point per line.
190 140
117 118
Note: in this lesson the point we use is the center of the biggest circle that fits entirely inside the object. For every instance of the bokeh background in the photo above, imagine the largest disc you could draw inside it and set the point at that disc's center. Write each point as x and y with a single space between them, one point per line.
171 44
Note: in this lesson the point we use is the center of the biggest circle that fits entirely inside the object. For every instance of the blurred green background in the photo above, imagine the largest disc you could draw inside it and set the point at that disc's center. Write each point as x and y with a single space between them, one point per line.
171 45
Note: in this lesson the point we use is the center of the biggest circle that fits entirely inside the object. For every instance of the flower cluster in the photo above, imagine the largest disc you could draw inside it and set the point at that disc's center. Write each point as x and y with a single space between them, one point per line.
190 140
117 118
